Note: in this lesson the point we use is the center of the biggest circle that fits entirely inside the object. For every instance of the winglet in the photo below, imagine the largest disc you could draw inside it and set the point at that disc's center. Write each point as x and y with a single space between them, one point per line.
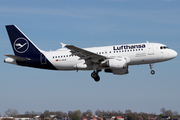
63 45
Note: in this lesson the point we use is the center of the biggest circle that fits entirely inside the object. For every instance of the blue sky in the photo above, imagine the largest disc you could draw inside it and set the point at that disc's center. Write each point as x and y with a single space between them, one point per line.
89 23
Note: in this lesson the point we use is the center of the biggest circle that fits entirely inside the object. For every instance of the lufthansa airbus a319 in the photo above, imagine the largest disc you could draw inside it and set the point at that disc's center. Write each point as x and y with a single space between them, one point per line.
113 59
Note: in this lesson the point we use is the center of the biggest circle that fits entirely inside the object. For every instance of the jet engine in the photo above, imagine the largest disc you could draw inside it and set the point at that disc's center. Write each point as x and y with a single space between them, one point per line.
116 63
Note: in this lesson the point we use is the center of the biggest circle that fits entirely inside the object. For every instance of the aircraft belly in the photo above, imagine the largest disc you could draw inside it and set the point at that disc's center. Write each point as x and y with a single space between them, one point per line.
64 65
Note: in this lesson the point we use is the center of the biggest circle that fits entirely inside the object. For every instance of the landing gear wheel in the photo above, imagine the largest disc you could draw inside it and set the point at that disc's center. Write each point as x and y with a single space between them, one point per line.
95 76
152 72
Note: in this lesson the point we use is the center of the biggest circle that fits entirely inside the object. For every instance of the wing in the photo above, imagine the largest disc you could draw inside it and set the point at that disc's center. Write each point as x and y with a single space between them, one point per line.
85 54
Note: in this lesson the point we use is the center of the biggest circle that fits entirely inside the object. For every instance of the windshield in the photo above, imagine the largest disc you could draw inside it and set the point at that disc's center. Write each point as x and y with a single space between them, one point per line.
164 47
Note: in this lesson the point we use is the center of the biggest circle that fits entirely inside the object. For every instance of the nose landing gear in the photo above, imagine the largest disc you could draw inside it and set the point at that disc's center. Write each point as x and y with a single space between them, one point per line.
151 67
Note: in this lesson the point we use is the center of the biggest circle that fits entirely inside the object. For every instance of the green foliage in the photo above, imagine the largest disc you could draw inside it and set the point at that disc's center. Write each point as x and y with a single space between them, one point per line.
74 115
76 118
161 115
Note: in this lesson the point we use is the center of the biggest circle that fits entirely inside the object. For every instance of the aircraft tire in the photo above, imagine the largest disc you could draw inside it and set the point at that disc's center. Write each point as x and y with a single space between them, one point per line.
152 72
97 78
94 74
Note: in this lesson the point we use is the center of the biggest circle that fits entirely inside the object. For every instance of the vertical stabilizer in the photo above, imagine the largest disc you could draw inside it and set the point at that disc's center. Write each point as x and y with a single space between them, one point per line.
26 52
21 44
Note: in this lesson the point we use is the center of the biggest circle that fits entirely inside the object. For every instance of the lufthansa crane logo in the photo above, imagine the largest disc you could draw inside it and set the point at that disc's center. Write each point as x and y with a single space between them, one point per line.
21 45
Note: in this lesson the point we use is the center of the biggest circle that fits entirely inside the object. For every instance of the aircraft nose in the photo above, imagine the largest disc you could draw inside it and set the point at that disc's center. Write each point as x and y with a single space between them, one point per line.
174 54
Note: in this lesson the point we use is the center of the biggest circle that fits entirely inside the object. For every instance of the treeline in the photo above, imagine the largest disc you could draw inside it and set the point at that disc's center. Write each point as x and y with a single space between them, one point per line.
75 115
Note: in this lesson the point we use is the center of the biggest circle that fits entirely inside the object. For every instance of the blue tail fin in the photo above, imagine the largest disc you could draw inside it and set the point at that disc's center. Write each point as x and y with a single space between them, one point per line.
26 52
21 44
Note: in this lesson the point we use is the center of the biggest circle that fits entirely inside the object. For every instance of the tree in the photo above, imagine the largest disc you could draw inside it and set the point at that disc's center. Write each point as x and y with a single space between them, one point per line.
98 113
87 114
33 113
131 116
120 113
46 113
144 115
70 114
77 115
169 113
60 113
175 113
11 112
28 114
74 115
163 110
161 115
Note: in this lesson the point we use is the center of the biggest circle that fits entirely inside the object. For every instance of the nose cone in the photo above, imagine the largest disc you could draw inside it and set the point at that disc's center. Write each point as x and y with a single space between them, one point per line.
173 54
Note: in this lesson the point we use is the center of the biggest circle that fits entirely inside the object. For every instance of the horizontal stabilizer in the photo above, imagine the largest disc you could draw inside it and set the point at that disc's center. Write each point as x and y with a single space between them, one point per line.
18 58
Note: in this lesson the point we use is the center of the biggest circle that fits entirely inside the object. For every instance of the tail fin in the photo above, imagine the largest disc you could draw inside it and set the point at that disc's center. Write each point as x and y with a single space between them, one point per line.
21 44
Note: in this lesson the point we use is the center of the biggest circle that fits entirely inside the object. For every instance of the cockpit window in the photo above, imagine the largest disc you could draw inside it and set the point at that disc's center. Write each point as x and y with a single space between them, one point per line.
164 47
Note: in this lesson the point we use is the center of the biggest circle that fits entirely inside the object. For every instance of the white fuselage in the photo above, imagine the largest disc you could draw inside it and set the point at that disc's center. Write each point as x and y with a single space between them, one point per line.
140 53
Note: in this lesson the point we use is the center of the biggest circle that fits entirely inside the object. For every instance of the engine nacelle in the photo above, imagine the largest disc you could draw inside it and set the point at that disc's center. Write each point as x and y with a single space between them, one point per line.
121 71
81 65
116 63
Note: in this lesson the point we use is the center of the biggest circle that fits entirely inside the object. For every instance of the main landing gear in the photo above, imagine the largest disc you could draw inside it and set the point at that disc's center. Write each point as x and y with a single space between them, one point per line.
95 75
151 67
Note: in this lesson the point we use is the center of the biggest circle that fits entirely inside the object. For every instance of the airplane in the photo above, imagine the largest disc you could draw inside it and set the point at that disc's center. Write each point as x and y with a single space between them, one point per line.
112 59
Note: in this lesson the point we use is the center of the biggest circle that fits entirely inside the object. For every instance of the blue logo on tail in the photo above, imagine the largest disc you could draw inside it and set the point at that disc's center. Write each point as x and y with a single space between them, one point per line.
21 45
